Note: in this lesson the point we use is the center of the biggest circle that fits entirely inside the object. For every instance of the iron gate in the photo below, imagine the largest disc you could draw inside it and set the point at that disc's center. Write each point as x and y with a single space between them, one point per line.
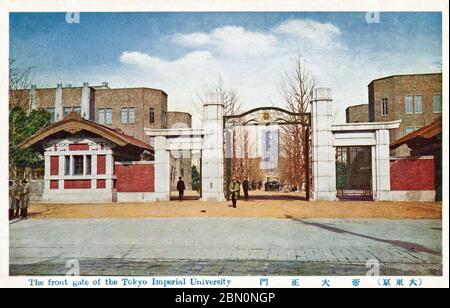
266 116
354 172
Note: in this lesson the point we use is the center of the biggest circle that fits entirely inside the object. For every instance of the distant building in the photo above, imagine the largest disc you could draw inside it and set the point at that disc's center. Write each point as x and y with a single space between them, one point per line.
129 110
415 99
357 114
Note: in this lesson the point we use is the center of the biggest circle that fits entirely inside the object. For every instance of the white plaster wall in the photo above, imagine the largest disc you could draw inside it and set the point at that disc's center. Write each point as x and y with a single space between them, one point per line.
413 195
136 197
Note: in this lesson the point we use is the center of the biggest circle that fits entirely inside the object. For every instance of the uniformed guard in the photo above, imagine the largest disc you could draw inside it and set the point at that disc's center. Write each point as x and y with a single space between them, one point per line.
17 194
12 199
234 190
25 199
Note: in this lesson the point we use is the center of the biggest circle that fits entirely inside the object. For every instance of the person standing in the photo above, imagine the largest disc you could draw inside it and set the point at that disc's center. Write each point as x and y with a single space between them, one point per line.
245 187
12 199
181 188
24 199
17 195
234 190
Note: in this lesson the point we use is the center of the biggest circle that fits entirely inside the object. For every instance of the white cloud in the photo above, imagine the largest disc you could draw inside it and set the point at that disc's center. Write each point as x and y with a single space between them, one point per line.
230 40
252 63
321 34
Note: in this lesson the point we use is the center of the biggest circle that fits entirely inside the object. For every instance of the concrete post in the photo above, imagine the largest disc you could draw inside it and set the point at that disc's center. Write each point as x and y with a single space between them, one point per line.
162 169
59 112
323 152
212 154
33 98
85 101
382 189
109 171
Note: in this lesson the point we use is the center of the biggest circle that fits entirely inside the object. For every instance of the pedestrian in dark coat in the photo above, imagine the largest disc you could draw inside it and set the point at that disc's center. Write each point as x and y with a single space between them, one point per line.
181 188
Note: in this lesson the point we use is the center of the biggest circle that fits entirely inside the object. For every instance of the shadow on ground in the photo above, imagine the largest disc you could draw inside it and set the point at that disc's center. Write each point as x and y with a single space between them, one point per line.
401 244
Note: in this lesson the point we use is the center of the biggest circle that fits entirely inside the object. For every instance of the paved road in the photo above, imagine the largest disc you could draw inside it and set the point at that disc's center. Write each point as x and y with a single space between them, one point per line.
226 246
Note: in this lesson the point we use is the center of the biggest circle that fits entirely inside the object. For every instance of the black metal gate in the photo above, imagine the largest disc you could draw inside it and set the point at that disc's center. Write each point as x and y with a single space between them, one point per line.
354 172
266 116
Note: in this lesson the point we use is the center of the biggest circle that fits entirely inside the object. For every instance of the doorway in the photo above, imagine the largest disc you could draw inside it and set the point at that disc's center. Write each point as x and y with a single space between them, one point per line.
354 172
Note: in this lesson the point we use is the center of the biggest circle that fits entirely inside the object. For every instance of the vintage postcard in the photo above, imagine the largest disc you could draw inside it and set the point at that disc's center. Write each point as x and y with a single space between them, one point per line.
238 144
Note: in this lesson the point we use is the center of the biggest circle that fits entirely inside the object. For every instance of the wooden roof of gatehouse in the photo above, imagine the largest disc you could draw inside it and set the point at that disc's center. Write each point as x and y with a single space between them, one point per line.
74 123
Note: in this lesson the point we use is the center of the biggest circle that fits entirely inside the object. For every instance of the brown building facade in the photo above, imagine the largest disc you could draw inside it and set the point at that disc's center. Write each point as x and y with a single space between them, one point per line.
414 99
357 114
128 109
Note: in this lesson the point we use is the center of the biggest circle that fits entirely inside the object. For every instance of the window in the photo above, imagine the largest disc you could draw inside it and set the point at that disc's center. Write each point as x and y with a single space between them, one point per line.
152 115
51 111
101 116
124 115
77 110
409 130
67 165
67 110
128 115
384 106
417 104
77 164
437 105
105 116
108 116
88 164
131 115
408 104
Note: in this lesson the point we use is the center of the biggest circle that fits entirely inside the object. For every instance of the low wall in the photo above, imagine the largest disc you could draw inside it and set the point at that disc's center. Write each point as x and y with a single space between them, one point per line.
36 190
412 179
135 177
135 197
78 196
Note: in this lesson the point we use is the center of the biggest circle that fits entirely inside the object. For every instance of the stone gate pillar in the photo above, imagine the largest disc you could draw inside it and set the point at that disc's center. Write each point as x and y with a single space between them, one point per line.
162 169
323 152
381 167
213 152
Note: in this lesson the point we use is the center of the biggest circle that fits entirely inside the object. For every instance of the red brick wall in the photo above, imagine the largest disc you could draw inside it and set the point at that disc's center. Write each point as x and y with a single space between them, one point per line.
412 174
54 184
101 184
54 165
77 184
101 164
79 147
135 178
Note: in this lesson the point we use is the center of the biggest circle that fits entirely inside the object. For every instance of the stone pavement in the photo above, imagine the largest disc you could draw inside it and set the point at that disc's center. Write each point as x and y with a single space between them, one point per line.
226 246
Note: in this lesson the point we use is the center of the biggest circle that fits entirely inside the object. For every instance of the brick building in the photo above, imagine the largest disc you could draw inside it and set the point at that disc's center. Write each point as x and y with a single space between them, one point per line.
130 110
89 162
415 99
357 114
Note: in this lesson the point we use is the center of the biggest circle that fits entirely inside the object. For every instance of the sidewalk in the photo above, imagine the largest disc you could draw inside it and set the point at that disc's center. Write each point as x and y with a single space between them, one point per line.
251 208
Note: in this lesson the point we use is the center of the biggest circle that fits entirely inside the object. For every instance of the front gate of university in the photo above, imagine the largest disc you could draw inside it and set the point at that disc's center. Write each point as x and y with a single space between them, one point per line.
354 172
272 123
339 160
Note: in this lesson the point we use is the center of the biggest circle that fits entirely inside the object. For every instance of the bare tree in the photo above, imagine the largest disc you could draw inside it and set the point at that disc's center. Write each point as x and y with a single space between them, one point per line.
19 84
296 89
227 96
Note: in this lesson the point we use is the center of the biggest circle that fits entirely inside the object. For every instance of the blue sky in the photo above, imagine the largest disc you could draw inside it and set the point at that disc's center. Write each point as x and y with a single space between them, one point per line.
181 53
